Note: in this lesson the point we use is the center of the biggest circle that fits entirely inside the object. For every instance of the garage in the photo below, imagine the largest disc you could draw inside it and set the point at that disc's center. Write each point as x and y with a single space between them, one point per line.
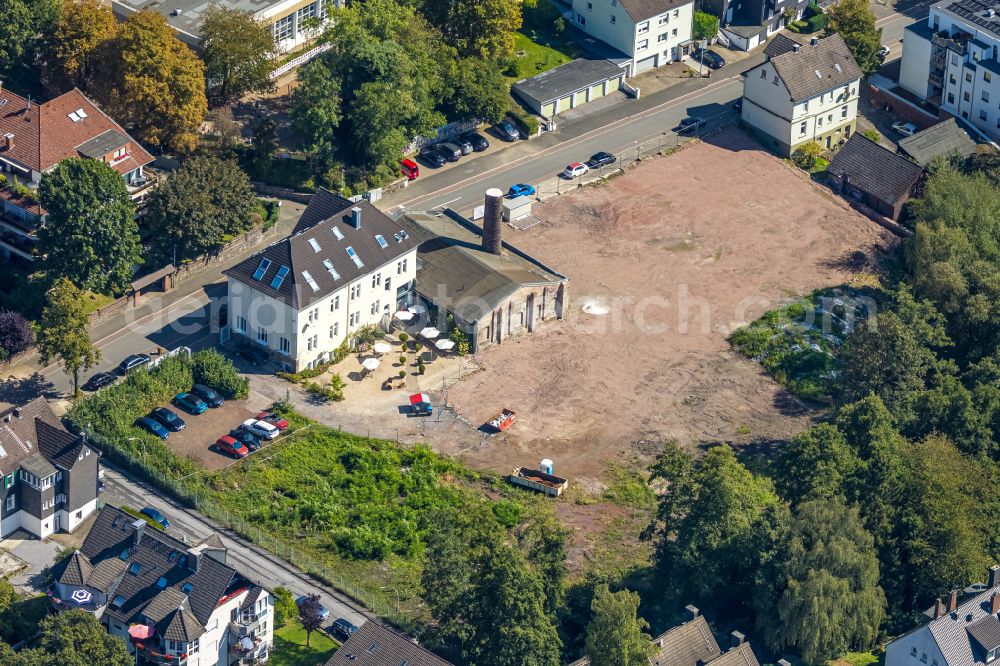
645 64
569 86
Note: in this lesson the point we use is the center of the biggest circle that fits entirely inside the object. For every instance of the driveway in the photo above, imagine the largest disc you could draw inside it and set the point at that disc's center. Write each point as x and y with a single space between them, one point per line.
35 554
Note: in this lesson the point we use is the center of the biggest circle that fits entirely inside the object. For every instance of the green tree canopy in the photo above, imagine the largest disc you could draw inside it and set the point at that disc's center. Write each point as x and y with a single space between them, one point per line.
616 635
476 28
90 235
855 22
202 201
815 465
706 26
239 54
16 38
63 334
75 638
316 108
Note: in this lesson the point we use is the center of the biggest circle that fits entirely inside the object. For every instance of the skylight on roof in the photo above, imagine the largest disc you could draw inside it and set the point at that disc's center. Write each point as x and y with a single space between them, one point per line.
314 245
123 555
337 232
264 265
118 601
81 113
279 277
161 582
307 276
381 241
135 569
186 588
838 67
354 256
328 265
75 117
818 75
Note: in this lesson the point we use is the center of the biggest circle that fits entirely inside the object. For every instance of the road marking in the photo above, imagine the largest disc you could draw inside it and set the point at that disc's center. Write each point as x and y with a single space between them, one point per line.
580 139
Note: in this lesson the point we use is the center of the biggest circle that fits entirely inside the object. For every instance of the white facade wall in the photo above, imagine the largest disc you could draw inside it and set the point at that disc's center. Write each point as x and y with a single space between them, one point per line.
287 19
40 527
656 37
69 520
10 522
918 648
915 65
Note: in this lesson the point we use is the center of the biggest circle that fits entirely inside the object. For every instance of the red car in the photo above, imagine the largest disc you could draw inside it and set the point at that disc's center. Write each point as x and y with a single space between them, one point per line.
273 419
409 169
229 445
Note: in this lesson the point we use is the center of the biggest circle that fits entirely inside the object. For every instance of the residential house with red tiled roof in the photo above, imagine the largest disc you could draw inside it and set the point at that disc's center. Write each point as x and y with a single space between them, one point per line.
34 138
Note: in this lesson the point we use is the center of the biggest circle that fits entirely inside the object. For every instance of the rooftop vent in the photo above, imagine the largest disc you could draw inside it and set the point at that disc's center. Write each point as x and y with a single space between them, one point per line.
177 11
796 48
356 217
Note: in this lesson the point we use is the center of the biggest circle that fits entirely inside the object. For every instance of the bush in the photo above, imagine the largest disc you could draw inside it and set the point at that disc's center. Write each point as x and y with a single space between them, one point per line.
323 392
402 374
817 23
873 135
706 26
421 368
285 610
805 155
528 124
211 368
798 26
403 337
460 339
812 9
402 360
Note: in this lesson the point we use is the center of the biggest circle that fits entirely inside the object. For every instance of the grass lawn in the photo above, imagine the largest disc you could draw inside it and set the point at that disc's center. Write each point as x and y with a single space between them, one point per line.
537 57
542 48
290 647
94 301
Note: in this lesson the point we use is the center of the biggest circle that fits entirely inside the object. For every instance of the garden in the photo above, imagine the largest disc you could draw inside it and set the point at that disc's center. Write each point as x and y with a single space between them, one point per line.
543 42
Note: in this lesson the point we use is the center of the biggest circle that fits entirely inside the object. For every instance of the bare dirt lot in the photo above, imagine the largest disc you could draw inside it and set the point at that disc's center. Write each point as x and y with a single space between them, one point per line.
676 254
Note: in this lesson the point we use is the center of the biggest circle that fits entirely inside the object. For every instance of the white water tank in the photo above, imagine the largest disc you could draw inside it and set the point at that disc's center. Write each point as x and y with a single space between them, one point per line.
547 466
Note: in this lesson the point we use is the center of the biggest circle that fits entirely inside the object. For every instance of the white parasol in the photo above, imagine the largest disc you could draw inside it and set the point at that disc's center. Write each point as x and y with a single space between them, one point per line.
370 364
382 348
430 333
404 315
418 309
445 344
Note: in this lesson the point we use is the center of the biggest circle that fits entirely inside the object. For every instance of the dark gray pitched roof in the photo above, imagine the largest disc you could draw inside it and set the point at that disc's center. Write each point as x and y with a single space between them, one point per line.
163 604
297 254
252 596
76 570
106 574
881 173
830 58
952 632
945 138
738 656
986 632
182 626
640 10
34 428
57 444
780 45
688 644
376 645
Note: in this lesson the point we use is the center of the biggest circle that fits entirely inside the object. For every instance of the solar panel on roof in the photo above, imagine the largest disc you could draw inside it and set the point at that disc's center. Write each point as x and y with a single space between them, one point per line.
314 244
264 265
328 265
279 277
307 276
381 241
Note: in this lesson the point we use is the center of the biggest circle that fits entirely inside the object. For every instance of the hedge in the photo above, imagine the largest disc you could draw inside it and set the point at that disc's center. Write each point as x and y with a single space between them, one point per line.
528 124
211 368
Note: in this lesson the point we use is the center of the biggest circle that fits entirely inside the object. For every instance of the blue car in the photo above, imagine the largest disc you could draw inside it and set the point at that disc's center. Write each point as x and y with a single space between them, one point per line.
190 403
520 190
152 426
155 516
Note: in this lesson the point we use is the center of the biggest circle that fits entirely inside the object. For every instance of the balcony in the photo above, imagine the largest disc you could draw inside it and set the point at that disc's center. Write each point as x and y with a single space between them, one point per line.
152 655
247 650
141 186
955 44
248 623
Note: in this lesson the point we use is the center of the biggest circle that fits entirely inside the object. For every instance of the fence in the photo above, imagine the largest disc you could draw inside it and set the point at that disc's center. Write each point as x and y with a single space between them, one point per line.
295 62
658 145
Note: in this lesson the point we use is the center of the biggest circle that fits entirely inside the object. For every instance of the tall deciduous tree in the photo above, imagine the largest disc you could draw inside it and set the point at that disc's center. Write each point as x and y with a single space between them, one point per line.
616 635
239 54
855 22
16 36
63 334
75 638
478 91
154 82
203 200
90 236
316 108
477 28
816 464
83 27
821 595
310 615
16 334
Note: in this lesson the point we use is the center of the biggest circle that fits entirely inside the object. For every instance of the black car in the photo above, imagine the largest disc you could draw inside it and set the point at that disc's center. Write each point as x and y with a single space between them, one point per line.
507 131
343 628
132 362
689 125
208 395
172 422
597 160
99 381
255 355
245 437
450 151
709 57
432 157
477 140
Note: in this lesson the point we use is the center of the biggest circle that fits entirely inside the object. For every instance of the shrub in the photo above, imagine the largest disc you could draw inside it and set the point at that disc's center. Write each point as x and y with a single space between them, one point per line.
402 360
805 155
528 124
421 368
323 392
460 339
417 347
403 337
873 135
812 9
402 374
706 26
211 368
797 26
367 334
817 23
285 610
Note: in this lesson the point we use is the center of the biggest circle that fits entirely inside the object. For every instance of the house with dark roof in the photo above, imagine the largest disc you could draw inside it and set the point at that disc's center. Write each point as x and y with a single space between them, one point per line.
806 94
964 631
377 645
650 33
877 177
748 23
171 602
945 139
693 644
49 475
346 265
34 138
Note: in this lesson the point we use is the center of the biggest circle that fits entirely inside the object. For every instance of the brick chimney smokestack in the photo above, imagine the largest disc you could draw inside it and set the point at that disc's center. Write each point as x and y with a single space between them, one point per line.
139 527
995 603
492 220
953 601
938 608
691 612
994 575
8 141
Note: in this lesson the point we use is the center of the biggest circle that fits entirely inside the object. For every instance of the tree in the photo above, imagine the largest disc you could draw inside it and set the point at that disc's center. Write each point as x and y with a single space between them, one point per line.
815 464
542 539
83 27
154 82
316 108
16 36
75 638
706 26
820 596
16 334
265 139
310 615
202 201
479 91
477 28
805 155
238 51
63 334
285 609
616 636
90 236
854 21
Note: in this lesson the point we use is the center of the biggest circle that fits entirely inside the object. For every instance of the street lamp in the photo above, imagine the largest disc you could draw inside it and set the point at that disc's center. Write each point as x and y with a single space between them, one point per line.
141 441
390 587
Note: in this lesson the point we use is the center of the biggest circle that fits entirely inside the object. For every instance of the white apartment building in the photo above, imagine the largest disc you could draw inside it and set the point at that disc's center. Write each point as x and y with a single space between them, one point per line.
809 93
951 61
191 607
346 265
650 32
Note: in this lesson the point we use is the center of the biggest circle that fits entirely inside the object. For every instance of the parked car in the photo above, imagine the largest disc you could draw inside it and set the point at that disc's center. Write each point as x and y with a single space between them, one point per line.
409 169
478 141
99 381
254 354
465 146
170 421
343 628
100 487
883 52
689 124
507 131
246 438
132 362
190 403
230 446
597 160
152 426
906 129
324 612
709 57
262 429
273 419
575 170
449 151
155 516
520 190
208 395
431 156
